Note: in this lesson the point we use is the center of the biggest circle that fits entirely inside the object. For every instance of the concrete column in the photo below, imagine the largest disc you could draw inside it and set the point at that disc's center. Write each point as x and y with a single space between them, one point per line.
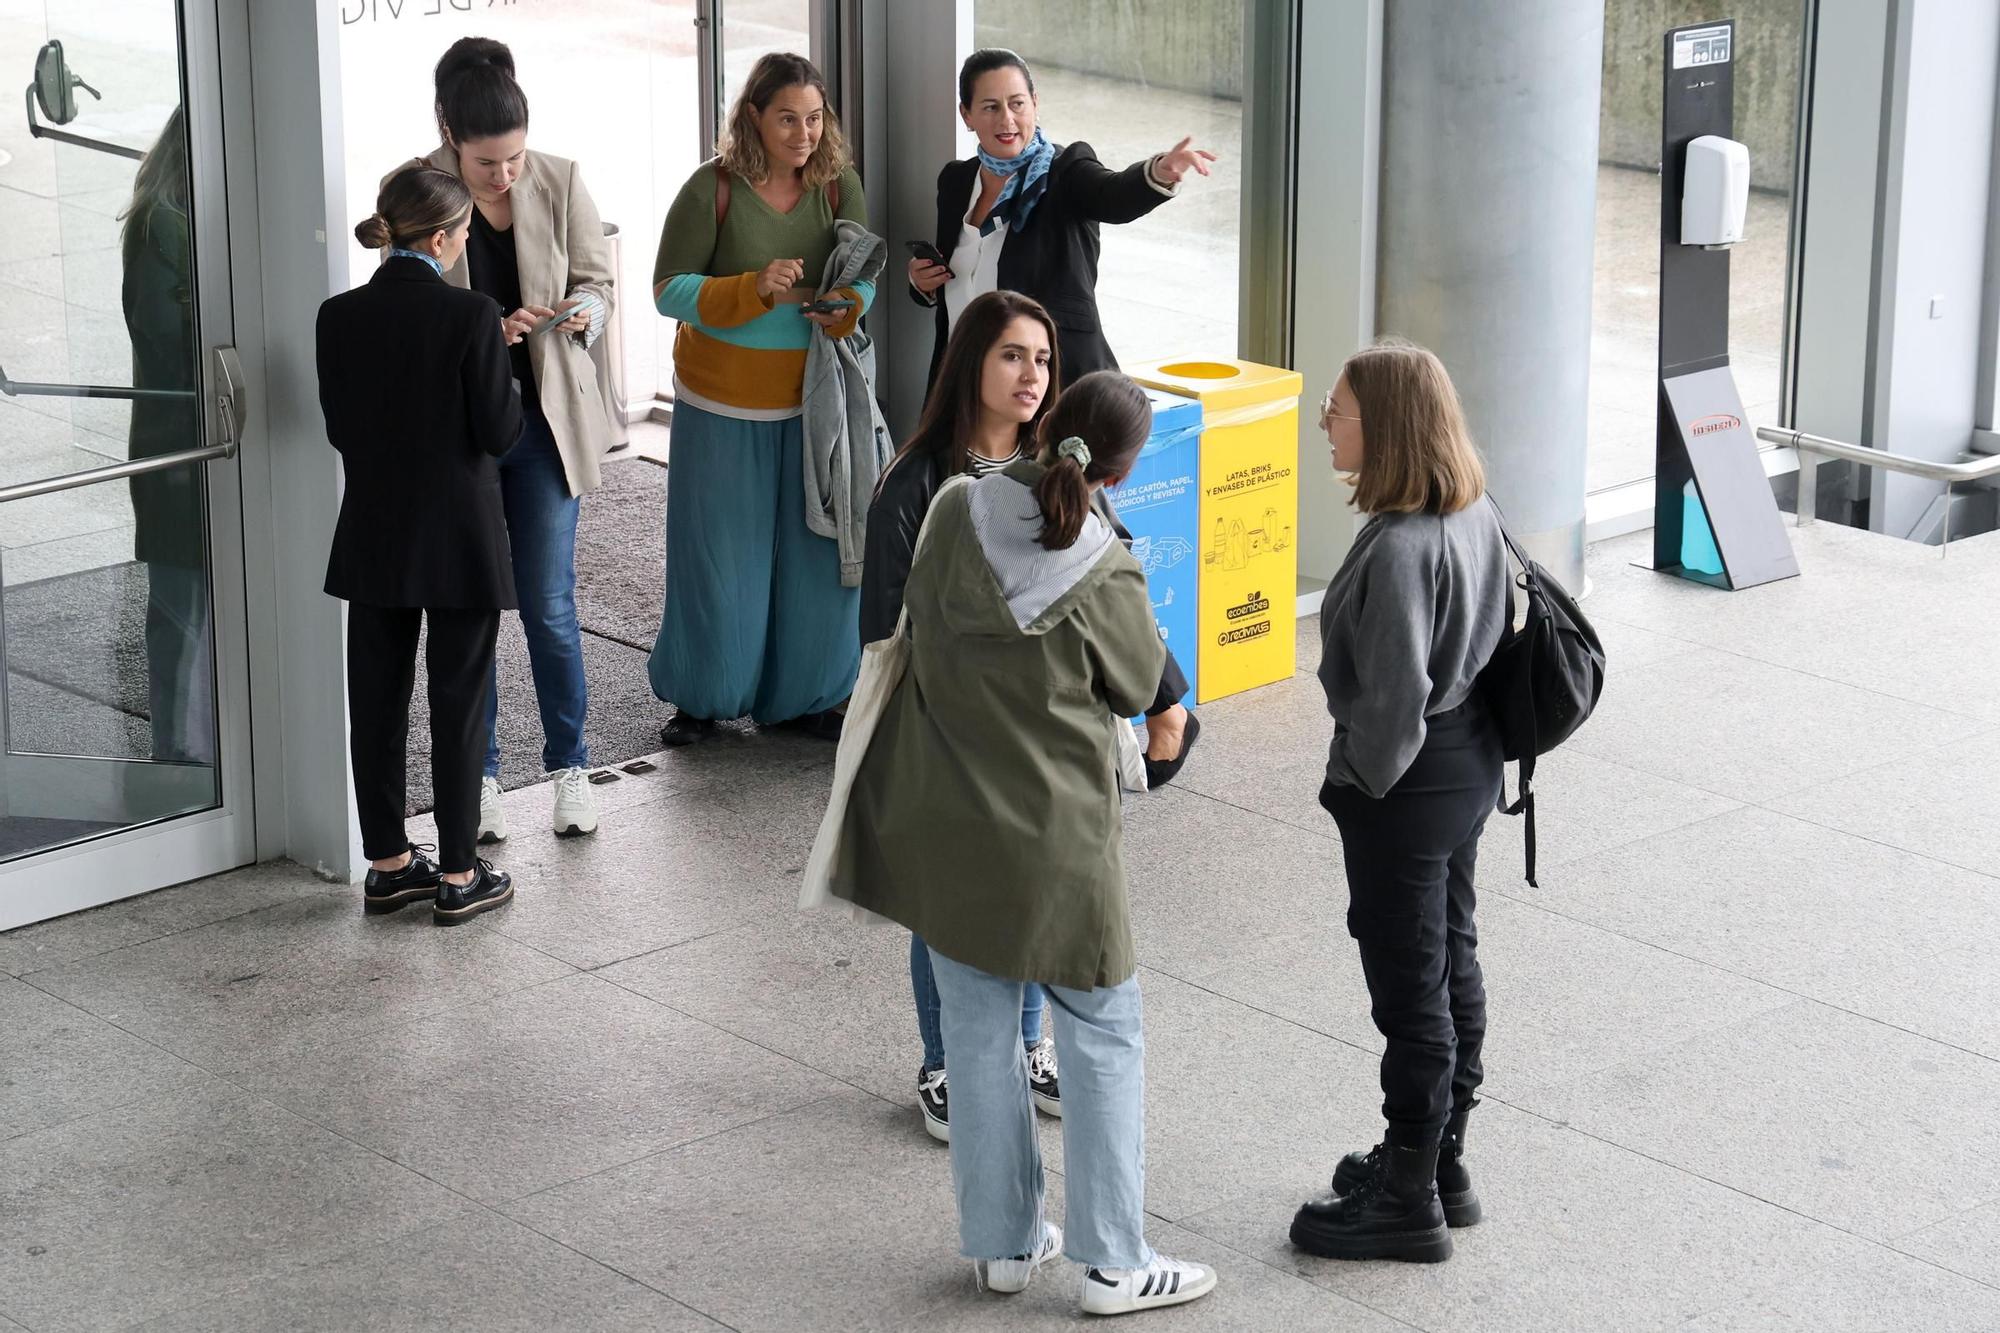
1488 201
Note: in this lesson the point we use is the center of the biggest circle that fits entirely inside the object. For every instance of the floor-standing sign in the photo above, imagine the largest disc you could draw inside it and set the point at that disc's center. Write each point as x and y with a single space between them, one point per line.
1714 518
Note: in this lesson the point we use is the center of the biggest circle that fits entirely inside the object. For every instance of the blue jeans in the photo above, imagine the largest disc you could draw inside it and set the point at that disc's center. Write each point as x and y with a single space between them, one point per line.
541 529
996 1160
924 987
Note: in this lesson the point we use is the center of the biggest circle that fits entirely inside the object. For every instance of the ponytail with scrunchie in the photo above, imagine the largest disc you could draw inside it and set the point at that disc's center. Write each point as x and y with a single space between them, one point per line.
1099 424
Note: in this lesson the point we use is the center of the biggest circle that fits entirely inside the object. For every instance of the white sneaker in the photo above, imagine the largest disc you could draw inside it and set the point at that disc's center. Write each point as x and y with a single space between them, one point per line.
576 803
1162 1282
492 815
1012 1275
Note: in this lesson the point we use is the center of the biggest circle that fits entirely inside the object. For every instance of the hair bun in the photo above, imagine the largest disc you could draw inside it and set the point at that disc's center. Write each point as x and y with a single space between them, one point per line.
373 231
470 53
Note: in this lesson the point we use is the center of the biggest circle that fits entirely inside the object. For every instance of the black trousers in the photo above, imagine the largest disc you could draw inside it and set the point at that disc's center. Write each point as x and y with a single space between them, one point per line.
1173 684
381 672
1410 859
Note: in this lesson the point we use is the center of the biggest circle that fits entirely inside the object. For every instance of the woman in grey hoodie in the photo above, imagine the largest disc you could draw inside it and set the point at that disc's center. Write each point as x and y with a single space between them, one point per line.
1408 624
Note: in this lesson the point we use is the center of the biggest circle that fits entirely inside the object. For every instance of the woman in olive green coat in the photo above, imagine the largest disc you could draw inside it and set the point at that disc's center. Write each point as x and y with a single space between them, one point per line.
985 817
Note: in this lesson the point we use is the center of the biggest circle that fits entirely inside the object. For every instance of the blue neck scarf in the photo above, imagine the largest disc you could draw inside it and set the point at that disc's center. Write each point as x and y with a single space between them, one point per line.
437 265
1027 177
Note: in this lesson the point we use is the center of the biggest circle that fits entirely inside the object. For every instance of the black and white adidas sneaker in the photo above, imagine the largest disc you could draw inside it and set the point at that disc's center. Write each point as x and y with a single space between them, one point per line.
935 1101
1162 1282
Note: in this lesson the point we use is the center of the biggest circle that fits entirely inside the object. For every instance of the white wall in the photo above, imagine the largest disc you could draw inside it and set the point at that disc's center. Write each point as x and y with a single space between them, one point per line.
1936 195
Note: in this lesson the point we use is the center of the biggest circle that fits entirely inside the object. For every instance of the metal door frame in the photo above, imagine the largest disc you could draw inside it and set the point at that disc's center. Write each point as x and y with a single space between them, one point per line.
151 856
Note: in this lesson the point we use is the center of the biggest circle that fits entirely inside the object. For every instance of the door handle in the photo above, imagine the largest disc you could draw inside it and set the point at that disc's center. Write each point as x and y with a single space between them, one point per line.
228 389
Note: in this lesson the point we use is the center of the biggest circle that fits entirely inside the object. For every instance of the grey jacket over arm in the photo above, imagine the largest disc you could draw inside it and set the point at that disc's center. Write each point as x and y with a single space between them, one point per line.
847 441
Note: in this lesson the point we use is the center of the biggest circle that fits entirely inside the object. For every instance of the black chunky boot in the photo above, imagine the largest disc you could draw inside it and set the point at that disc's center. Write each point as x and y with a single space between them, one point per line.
1454 1182
1392 1214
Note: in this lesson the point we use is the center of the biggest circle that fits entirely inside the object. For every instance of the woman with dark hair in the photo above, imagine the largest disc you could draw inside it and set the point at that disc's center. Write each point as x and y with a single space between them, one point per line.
1022 214
985 817
996 384
157 294
537 248
418 398
995 388
756 621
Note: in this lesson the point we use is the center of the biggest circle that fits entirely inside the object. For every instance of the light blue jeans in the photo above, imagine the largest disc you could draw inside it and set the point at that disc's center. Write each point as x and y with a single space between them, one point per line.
996 1162
929 1028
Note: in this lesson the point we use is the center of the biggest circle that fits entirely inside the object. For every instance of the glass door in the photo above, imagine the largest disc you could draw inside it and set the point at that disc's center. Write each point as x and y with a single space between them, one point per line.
734 36
122 715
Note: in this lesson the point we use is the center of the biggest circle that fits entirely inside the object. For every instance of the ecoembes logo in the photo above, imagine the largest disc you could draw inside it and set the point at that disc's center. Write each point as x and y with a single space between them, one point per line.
1719 421
1255 605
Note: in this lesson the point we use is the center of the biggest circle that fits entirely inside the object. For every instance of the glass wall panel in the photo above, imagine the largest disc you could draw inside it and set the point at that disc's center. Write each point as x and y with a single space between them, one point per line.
1132 81
612 85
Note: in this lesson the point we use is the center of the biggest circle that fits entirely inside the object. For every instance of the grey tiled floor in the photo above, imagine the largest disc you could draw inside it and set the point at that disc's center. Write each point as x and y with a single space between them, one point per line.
1744 1064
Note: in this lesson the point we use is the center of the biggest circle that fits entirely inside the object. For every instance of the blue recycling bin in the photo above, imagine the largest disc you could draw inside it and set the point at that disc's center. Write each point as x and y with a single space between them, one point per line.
1161 504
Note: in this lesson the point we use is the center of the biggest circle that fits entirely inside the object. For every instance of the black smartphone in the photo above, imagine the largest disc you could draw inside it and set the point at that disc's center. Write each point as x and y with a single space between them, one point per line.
831 306
925 251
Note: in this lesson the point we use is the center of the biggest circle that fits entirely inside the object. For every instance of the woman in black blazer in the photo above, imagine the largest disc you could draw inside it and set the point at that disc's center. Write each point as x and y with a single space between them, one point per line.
420 400
1022 215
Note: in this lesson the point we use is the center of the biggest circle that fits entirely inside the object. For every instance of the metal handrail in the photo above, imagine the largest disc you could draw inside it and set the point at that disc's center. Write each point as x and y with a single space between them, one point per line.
18 388
138 467
228 399
1812 448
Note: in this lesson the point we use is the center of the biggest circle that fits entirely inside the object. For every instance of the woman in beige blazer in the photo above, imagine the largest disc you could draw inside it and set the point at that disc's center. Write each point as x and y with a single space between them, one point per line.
537 247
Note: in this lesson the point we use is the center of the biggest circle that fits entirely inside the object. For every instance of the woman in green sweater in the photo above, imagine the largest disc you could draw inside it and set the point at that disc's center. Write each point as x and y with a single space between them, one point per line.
755 621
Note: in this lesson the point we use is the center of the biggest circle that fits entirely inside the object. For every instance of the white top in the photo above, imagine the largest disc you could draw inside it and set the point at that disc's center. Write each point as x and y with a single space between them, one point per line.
975 262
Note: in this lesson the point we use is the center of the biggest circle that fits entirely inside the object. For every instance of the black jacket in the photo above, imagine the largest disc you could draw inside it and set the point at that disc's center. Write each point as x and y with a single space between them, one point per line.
420 401
902 498
1054 259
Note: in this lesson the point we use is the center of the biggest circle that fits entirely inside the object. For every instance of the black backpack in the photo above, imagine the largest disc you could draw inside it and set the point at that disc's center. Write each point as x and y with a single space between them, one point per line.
1543 679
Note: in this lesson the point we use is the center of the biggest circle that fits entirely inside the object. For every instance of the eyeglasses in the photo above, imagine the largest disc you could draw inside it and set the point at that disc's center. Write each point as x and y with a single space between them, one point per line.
1326 412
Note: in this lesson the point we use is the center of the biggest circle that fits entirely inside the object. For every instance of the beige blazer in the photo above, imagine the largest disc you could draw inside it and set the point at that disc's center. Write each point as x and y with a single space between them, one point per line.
560 247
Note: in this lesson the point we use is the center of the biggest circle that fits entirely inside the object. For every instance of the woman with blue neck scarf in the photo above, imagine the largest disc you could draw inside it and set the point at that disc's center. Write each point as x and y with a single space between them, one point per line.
421 402
1023 214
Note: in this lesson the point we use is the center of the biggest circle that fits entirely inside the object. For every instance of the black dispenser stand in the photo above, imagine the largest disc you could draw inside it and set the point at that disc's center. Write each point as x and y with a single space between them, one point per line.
1702 436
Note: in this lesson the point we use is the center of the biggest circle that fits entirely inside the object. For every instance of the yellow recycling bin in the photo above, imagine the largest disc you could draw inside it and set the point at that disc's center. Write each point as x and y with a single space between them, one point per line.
1247 597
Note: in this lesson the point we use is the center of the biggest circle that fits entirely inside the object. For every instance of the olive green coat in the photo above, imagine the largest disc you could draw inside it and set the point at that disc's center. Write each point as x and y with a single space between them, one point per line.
985 816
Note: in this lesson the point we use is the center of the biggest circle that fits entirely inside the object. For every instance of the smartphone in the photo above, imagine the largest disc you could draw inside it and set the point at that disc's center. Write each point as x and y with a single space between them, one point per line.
560 317
927 252
830 306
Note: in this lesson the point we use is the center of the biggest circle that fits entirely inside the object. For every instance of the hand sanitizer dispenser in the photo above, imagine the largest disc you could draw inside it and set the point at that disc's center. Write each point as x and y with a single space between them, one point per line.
1715 192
